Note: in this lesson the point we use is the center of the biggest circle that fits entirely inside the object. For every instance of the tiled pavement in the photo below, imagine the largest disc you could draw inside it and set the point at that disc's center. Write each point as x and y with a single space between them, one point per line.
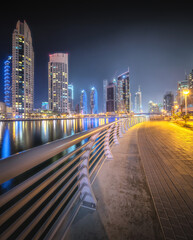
125 209
166 151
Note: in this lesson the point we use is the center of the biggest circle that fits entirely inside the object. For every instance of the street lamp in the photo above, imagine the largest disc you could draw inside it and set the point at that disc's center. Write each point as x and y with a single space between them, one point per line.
176 108
186 92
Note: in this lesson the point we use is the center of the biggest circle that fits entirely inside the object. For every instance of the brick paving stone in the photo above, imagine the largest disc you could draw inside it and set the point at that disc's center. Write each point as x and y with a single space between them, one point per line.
168 233
167 155
178 231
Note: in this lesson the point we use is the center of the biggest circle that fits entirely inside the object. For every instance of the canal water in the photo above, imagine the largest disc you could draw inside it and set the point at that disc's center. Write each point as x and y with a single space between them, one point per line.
17 136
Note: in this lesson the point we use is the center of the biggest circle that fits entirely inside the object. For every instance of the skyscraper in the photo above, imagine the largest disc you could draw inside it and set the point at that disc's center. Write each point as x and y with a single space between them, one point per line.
180 96
22 70
153 107
8 81
94 101
111 97
58 82
123 93
70 97
190 79
105 83
168 101
83 102
138 101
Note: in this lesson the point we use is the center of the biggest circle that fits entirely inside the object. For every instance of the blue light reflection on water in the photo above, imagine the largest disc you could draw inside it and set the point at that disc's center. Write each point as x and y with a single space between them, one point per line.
22 135
6 151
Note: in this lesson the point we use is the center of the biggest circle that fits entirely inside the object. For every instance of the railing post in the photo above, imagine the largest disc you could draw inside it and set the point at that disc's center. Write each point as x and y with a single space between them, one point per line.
123 128
107 149
120 129
129 123
115 138
86 193
126 124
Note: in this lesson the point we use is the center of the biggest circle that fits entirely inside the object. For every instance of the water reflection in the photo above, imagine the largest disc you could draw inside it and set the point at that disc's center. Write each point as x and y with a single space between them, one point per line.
21 135
6 151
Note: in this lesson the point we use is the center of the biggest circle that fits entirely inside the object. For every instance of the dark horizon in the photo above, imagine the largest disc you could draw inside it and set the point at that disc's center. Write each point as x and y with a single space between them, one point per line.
153 39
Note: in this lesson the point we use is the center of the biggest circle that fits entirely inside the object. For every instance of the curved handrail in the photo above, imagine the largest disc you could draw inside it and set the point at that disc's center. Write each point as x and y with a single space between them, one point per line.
19 163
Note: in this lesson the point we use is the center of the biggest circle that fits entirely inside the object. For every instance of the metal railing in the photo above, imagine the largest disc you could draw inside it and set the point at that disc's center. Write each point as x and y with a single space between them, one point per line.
52 181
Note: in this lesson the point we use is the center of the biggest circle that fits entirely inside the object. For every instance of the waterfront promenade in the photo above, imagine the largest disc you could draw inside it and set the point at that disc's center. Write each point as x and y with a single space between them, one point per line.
145 192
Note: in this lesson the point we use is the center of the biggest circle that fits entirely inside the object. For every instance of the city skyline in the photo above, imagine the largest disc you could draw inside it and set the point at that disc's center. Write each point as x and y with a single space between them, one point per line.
157 56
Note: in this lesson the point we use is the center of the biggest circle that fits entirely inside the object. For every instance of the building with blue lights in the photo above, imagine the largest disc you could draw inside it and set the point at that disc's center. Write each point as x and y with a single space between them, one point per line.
70 97
83 102
123 93
45 106
22 70
94 101
8 81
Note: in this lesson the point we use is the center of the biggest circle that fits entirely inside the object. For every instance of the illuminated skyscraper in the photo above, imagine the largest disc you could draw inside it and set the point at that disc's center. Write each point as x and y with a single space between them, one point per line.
8 81
83 102
153 107
70 97
22 70
94 101
123 93
58 82
111 97
138 101
190 78
168 101
181 86
105 83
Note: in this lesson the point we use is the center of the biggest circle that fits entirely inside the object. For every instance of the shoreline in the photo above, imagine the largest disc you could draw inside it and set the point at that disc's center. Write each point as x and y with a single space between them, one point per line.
47 119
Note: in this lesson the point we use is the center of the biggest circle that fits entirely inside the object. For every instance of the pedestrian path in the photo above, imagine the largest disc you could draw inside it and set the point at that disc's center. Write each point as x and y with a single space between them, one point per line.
125 208
166 152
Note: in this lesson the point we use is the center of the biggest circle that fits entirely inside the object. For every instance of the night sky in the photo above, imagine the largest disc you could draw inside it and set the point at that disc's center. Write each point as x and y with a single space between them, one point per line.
154 39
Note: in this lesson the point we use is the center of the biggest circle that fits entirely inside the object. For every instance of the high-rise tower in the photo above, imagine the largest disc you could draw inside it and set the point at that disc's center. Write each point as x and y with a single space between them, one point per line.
22 70
94 101
83 102
123 93
105 83
111 97
58 82
70 97
168 101
138 101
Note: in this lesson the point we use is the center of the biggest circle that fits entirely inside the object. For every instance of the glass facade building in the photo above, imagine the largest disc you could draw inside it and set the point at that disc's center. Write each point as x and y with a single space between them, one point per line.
123 93
105 83
168 101
70 97
138 101
22 70
58 82
83 102
94 101
111 97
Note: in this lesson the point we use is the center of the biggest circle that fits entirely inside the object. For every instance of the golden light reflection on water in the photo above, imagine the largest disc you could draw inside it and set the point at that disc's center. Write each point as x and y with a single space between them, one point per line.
23 135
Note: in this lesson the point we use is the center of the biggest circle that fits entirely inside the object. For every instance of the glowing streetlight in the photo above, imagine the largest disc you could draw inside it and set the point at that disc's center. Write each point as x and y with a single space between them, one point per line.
176 107
186 92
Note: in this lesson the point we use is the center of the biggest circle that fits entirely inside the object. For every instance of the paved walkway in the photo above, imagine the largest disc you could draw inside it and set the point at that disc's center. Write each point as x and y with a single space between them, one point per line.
166 151
125 208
